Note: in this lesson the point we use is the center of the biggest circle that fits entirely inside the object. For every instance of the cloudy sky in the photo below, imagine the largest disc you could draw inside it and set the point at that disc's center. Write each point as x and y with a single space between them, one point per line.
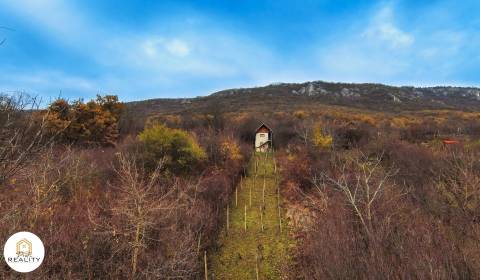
148 49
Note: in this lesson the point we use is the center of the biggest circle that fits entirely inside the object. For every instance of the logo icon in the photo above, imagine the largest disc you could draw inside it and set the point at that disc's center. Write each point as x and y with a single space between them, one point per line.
24 248
24 252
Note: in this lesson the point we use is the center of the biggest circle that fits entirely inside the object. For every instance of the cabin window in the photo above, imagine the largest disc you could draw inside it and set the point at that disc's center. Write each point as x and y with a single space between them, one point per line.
262 135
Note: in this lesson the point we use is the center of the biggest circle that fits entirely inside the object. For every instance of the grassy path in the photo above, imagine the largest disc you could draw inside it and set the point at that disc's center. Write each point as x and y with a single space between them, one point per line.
244 253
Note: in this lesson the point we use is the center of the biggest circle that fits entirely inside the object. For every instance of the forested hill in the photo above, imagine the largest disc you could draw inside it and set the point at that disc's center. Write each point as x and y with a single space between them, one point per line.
293 96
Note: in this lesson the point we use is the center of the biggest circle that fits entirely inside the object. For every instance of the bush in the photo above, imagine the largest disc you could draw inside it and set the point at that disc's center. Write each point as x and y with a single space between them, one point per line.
176 147
321 140
352 136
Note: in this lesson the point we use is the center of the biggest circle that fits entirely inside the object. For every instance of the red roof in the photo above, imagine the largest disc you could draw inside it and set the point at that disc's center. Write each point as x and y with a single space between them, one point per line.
450 142
263 126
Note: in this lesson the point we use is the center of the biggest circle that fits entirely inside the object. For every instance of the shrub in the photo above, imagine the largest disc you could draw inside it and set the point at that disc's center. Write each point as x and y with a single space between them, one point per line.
230 149
179 149
320 139
22 134
351 136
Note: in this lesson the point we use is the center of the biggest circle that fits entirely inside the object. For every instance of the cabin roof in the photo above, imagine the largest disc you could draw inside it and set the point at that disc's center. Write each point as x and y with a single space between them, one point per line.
264 125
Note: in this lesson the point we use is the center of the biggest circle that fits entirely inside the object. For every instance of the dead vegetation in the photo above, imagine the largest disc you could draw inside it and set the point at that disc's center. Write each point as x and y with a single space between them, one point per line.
372 195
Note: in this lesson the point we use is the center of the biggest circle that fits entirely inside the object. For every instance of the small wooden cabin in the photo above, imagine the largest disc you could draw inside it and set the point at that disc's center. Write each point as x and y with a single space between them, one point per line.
263 138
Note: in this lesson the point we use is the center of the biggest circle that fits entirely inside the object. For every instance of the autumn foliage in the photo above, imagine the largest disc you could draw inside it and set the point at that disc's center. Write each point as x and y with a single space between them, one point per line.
94 122
367 195
144 208
178 149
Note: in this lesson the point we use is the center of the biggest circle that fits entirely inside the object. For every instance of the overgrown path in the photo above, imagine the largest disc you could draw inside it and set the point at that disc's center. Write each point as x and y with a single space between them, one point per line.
254 243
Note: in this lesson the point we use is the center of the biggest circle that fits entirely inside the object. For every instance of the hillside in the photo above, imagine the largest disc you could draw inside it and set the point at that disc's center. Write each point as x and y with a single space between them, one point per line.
309 95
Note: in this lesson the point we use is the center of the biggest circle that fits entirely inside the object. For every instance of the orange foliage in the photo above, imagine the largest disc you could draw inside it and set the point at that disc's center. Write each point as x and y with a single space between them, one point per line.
95 122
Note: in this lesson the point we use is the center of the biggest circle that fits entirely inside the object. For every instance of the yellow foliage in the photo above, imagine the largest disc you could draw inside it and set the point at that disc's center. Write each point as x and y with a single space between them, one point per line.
230 149
403 122
321 140
178 148
300 114
367 119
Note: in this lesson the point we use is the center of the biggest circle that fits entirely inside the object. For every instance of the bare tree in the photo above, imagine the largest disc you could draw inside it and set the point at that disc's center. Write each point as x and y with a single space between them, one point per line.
459 184
304 129
140 206
362 180
22 133
55 178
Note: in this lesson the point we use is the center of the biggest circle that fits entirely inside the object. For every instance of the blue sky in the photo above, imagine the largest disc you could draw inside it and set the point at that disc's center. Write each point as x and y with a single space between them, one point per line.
150 49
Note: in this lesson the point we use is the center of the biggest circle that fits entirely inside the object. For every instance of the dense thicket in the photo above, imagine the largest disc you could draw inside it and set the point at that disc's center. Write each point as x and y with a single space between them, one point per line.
109 207
380 204
369 195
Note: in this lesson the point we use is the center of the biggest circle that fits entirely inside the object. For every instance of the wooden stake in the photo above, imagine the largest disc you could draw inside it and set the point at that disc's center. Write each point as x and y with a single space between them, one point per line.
278 196
245 224
250 195
261 216
279 218
279 209
236 197
198 246
228 218
263 193
254 183
256 265
206 268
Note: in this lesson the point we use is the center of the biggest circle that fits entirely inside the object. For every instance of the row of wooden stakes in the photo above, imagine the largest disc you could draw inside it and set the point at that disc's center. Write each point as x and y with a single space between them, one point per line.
262 207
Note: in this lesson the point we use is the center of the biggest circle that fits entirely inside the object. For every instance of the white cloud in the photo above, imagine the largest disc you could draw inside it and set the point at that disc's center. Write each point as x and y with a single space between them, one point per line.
175 47
383 28
150 59
178 47
57 19
379 50
194 56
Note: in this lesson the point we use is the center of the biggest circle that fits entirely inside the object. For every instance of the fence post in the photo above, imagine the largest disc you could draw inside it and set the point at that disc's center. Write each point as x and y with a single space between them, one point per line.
198 245
261 216
279 218
250 195
256 265
263 191
206 268
245 224
228 219
274 165
236 197
263 195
